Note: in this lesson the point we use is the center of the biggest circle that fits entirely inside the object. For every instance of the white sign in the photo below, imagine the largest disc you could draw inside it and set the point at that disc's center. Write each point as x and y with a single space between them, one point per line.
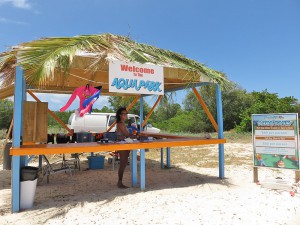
275 140
135 78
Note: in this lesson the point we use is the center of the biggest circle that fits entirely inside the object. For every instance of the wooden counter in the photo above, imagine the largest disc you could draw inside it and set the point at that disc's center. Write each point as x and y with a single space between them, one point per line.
40 149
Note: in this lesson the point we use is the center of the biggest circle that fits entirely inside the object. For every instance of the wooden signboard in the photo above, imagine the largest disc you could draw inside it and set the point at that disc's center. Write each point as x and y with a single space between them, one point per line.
35 122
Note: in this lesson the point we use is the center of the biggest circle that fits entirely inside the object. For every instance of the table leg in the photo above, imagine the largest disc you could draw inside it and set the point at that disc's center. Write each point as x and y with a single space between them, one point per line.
162 158
142 170
133 166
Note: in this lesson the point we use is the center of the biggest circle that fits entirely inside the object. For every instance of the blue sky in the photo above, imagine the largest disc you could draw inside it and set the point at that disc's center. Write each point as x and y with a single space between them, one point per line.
256 43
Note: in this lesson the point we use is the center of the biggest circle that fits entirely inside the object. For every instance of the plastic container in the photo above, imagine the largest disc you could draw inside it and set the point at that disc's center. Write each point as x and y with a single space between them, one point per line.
29 173
27 193
96 162
91 137
111 136
85 137
82 137
144 138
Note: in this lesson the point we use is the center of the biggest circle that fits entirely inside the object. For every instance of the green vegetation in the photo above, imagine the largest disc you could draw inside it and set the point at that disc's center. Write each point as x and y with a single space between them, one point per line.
6 113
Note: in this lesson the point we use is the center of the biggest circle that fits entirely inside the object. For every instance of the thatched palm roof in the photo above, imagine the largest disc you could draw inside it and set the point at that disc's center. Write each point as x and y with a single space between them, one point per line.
63 63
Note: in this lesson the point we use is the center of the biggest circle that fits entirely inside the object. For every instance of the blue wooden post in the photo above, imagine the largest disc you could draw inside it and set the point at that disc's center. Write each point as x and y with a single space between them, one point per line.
220 130
24 159
168 157
17 132
133 165
142 151
142 170
162 158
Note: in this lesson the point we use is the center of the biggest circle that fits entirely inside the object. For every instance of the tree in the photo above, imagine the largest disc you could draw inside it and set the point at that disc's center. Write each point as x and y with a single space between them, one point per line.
104 109
234 101
117 101
264 103
6 112
63 116
166 111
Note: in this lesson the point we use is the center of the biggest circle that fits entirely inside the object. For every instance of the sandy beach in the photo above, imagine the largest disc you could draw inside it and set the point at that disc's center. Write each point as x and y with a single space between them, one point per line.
183 194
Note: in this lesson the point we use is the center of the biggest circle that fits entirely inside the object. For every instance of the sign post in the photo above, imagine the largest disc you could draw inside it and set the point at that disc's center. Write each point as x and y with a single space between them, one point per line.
275 141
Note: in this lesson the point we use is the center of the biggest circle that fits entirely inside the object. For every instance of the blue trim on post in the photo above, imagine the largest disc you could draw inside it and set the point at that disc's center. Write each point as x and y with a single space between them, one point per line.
142 170
141 112
168 157
142 151
133 166
15 198
162 158
24 159
17 132
220 130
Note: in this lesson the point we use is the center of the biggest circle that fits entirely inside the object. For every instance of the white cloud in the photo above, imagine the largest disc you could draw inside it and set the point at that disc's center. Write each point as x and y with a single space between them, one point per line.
23 4
8 21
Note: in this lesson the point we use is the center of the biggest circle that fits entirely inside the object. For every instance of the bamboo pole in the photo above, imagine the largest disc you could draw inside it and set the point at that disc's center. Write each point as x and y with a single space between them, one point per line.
51 113
127 109
210 117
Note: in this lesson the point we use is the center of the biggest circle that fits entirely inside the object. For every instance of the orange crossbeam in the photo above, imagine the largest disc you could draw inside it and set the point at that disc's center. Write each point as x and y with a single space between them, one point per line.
210 117
152 110
99 147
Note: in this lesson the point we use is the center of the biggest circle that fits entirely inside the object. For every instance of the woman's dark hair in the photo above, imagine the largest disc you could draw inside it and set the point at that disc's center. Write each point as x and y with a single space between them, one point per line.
118 113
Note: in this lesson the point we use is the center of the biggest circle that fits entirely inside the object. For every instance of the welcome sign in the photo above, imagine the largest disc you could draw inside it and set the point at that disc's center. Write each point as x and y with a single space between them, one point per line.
275 140
135 78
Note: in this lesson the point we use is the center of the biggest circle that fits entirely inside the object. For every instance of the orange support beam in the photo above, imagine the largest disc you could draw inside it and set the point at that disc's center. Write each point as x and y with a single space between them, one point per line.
152 110
98 147
127 108
210 117
51 113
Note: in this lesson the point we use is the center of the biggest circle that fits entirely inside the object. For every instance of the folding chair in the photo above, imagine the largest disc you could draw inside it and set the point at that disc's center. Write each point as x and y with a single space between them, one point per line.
73 161
48 170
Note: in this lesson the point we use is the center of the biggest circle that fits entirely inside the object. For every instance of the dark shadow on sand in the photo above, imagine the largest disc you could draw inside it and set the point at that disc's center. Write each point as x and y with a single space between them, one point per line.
88 186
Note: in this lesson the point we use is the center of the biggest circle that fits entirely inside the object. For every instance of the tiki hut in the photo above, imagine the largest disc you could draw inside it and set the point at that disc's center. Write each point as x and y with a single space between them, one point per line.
60 64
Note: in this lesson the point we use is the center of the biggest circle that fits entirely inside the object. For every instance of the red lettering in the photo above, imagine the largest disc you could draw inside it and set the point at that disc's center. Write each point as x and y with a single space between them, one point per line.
137 69
124 67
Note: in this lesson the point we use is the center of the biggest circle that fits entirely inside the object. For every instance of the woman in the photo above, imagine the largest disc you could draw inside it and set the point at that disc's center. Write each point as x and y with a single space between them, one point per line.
122 133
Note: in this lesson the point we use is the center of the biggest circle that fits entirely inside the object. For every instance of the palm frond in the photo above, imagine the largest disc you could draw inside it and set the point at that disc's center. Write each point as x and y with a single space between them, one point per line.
40 58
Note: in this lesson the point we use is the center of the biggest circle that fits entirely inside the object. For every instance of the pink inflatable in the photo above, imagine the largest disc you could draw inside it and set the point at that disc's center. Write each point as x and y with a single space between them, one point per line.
87 96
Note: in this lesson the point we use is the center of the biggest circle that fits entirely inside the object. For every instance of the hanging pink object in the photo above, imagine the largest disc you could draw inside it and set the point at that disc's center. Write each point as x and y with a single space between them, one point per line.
83 93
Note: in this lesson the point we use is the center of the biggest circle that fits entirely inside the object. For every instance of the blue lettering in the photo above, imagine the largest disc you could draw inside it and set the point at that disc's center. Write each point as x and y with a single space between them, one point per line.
115 82
133 83
121 83
126 85
157 87
142 84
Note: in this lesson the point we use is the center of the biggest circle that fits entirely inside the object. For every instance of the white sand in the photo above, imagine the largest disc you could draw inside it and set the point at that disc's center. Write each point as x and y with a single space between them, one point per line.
180 195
